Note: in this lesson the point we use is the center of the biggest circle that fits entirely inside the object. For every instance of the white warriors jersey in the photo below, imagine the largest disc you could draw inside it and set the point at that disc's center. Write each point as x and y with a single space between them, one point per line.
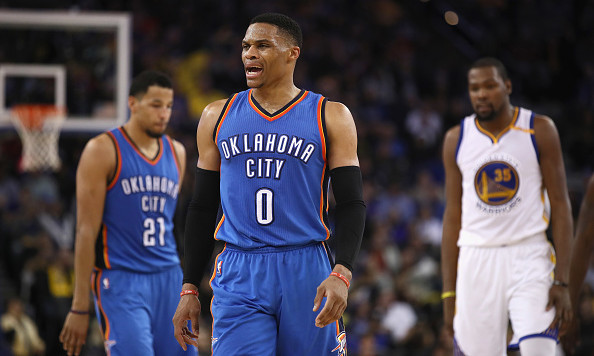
503 197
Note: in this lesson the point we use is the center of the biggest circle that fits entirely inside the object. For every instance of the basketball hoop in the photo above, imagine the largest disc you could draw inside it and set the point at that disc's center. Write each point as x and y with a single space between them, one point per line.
39 127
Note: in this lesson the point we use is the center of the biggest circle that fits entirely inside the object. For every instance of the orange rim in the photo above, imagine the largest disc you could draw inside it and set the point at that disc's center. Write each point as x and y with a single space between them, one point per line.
32 116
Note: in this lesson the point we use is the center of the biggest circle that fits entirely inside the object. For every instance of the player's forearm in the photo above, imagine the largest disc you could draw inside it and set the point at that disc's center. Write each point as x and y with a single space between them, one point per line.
449 264
579 263
200 225
84 261
198 244
562 238
583 246
347 186
189 286
449 253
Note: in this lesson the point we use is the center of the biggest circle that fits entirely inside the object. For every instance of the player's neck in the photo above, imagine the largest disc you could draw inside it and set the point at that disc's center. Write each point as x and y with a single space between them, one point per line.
148 145
500 122
273 98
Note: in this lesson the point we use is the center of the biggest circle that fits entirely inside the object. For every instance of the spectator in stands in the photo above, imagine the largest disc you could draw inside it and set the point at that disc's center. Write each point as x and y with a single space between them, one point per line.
25 340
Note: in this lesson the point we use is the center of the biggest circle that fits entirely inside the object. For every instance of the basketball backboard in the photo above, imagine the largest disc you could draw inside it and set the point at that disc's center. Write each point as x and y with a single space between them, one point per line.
77 60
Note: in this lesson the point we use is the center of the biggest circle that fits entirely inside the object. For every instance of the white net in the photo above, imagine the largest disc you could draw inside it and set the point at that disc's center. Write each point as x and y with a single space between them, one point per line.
39 128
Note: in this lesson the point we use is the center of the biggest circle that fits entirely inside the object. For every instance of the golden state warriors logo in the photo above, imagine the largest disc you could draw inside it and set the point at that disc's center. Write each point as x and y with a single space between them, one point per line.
496 183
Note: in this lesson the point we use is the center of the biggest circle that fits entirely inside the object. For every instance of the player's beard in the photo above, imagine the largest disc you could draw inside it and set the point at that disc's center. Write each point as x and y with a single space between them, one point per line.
492 114
154 134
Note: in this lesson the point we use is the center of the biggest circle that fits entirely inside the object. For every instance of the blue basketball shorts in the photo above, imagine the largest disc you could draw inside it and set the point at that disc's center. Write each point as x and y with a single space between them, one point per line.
135 311
263 300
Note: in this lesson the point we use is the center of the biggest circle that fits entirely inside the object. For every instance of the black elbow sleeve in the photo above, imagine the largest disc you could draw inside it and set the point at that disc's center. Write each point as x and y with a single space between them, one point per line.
347 186
201 219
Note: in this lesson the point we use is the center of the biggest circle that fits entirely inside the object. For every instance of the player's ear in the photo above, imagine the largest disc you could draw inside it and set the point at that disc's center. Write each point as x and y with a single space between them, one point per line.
508 86
294 52
132 100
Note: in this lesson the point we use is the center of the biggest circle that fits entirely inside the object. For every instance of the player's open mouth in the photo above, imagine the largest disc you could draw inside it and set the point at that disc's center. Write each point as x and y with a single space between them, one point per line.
252 71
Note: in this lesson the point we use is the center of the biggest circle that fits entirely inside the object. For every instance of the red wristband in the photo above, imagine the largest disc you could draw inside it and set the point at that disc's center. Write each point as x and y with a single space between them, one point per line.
188 291
344 279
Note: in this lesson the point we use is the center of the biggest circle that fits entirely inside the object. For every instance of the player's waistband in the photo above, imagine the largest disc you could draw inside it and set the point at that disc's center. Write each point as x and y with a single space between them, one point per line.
270 249
153 270
538 237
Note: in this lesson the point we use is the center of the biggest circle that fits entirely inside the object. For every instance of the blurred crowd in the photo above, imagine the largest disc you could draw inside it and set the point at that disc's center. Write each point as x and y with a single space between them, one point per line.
399 68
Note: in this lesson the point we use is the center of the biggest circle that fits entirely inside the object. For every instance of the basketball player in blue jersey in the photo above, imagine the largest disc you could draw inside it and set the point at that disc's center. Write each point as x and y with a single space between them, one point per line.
583 249
127 184
503 164
267 155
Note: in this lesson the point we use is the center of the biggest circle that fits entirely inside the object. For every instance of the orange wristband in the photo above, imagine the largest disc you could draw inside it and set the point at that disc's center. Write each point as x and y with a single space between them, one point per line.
188 291
344 279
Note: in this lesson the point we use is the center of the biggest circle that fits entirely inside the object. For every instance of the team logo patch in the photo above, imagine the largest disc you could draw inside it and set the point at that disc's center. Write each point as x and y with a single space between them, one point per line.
496 183
342 346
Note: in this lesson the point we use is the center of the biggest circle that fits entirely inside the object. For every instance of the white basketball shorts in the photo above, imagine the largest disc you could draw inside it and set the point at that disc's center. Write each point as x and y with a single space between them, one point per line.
497 284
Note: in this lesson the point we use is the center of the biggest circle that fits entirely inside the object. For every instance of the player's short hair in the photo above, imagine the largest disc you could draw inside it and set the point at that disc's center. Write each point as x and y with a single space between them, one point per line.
491 62
144 80
286 24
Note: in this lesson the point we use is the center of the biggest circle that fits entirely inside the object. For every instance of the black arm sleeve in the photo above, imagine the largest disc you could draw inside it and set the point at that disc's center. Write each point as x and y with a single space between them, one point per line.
347 186
200 225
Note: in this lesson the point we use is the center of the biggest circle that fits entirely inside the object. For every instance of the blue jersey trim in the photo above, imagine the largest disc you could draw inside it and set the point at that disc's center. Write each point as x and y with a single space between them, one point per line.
460 138
533 137
550 333
457 349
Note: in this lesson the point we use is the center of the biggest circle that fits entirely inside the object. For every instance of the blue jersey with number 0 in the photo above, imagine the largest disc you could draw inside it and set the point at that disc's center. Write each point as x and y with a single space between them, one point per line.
137 228
274 177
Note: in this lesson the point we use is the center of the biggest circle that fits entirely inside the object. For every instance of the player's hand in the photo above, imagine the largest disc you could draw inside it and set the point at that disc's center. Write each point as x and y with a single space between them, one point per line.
74 333
336 293
187 309
449 305
559 299
571 338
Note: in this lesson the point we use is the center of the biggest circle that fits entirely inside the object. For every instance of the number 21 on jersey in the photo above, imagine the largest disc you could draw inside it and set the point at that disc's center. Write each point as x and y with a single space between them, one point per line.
152 228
